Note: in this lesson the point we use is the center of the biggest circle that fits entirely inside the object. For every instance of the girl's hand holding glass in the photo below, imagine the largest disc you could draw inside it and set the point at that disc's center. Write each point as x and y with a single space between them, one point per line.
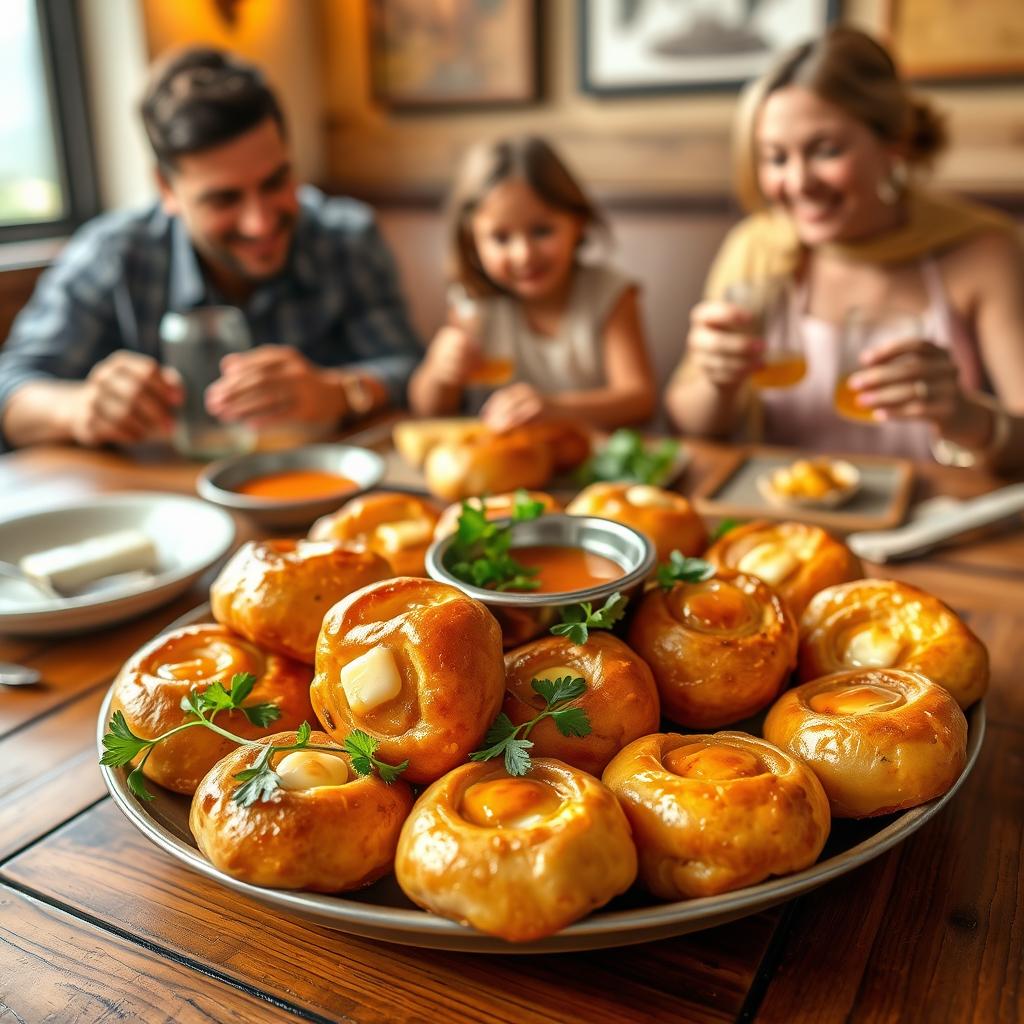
454 355
724 343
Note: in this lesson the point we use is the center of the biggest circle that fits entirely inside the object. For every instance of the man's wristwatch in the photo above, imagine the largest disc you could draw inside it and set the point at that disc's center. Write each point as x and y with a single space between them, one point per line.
359 397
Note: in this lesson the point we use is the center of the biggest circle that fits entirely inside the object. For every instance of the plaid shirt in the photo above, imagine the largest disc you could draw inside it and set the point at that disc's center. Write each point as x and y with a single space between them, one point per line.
338 301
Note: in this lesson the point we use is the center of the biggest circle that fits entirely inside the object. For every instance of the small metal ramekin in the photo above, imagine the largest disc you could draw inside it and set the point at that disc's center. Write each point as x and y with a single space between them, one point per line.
524 615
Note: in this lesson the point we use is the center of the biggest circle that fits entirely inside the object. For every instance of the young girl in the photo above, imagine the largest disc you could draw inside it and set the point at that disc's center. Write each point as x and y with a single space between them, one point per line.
561 337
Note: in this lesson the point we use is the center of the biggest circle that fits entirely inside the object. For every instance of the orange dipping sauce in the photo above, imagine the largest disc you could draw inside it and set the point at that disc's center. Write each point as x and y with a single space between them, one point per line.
563 568
297 485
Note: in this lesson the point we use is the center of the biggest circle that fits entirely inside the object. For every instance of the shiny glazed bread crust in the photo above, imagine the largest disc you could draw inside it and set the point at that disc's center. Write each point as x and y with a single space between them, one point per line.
447 648
276 592
621 699
935 641
356 522
486 464
328 839
705 836
518 883
824 561
881 761
152 705
712 678
670 528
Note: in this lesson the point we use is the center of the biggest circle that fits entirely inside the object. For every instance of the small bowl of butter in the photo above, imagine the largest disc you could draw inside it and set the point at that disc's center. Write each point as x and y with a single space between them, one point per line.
810 483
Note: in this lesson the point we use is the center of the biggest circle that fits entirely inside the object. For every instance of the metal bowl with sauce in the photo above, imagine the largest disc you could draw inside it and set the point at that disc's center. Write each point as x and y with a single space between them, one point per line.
220 482
524 615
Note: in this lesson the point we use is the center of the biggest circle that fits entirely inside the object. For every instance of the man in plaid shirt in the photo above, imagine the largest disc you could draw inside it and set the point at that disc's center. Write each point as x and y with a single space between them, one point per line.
331 337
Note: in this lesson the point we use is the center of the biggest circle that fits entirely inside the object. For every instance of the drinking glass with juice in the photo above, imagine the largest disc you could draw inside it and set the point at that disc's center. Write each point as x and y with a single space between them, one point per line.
492 369
783 362
863 330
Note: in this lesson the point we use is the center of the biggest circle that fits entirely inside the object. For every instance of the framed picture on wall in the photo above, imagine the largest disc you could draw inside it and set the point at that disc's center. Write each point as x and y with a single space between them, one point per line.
951 40
454 53
660 46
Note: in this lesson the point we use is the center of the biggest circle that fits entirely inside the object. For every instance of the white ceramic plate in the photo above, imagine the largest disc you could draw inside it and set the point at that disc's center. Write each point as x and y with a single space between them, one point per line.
383 912
190 535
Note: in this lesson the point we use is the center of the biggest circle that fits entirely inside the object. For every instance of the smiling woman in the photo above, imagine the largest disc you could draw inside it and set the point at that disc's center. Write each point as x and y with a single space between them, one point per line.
829 148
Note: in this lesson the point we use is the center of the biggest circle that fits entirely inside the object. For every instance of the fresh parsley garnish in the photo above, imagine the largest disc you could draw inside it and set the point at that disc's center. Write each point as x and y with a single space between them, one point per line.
579 619
362 748
625 456
121 745
479 553
680 569
724 526
505 739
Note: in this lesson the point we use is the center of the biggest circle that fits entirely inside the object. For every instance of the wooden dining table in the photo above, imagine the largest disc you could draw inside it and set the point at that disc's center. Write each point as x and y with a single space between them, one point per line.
97 924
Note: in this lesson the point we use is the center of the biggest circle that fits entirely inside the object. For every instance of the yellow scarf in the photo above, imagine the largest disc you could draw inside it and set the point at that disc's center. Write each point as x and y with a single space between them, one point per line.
765 245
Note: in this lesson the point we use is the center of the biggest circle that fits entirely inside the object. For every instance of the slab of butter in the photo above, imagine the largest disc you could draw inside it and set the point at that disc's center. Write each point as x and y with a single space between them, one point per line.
72 566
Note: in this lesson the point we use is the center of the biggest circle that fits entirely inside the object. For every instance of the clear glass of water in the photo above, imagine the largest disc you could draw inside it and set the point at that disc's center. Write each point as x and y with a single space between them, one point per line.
193 343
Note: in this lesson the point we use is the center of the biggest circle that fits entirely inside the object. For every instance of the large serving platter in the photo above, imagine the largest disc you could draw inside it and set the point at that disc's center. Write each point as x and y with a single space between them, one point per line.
382 911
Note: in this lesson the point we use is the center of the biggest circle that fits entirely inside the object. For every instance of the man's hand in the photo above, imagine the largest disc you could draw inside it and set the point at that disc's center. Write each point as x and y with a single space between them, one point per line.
275 384
127 397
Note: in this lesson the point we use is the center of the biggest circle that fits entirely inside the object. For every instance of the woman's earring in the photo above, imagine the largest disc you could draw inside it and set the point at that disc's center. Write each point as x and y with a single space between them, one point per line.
891 188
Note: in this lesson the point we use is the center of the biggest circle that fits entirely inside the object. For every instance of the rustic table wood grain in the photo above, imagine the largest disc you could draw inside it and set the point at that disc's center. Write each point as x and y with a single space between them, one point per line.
97 924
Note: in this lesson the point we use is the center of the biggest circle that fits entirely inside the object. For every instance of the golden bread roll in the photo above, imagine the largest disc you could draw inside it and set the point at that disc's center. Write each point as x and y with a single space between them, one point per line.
712 813
413 439
326 829
720 650
275 592
621 699
667 518
416 664
398 527
795 559
886 624
520 858
568 443
494 506
880 740
486 464
153 682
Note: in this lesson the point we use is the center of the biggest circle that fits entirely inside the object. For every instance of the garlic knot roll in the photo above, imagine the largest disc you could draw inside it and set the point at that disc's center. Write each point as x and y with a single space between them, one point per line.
416 664
712 813
880 740
720 650
520 858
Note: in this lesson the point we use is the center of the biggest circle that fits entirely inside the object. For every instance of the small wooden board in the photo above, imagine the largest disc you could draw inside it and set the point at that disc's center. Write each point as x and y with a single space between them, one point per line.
880 503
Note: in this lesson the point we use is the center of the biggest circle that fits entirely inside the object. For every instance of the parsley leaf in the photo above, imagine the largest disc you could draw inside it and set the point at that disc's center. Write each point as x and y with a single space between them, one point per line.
724 526
555 691
626 457
120 744
572 722
510 741
479 553
579 619
361 748
680 569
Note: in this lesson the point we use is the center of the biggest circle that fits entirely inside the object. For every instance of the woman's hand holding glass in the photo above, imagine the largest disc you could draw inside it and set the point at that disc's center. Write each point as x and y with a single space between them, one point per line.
514 405
724 343
908 379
